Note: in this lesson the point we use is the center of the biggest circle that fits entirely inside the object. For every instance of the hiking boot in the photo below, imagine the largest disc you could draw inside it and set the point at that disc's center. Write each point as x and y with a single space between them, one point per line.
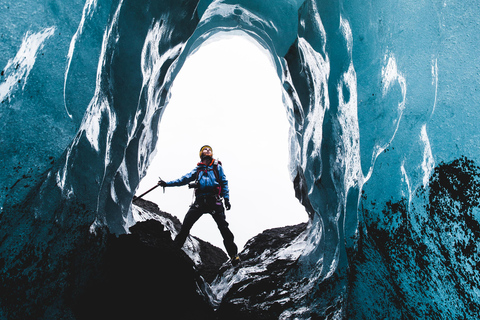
235 260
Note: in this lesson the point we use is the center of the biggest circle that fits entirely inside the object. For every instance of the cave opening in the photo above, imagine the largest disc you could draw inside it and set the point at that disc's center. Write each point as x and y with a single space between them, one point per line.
228 95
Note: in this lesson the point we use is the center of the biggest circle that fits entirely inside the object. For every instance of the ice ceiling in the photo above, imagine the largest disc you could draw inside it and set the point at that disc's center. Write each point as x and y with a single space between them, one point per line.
382 98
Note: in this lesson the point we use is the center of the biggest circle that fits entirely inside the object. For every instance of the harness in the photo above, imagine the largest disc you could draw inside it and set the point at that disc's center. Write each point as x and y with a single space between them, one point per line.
214 165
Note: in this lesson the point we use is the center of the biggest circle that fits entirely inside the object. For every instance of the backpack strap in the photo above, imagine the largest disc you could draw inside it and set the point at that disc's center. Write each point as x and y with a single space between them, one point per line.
197 175
214 164
215 169
217 175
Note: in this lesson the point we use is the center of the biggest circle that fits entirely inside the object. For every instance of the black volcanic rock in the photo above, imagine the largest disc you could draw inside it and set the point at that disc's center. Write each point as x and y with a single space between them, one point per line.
257 296
142 275
212 257
153 208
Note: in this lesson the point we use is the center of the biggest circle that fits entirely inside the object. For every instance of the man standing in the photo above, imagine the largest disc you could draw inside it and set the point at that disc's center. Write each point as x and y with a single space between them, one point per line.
211 186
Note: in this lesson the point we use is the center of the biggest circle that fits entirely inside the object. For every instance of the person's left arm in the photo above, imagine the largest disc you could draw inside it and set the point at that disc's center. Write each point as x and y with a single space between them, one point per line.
223 183
225 191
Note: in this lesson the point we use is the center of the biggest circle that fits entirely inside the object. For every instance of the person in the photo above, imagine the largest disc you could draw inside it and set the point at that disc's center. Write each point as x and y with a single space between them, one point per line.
211 186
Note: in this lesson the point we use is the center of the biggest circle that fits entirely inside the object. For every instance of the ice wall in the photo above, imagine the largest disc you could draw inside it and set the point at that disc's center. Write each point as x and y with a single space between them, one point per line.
381 97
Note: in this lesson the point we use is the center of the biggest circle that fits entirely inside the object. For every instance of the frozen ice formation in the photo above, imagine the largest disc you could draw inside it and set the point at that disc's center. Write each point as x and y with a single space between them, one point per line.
382 99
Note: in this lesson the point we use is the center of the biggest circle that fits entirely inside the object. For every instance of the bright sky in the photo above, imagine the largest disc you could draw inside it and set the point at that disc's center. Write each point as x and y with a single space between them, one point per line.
228 95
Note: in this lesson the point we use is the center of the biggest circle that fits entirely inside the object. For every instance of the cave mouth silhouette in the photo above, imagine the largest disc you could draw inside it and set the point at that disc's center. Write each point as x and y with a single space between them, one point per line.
228 94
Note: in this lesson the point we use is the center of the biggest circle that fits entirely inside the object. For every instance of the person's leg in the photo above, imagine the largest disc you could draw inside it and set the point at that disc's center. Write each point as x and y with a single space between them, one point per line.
219 216
193 214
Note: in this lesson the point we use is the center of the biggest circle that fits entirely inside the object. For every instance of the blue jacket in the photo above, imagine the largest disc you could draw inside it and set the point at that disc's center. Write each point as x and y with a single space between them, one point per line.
208 184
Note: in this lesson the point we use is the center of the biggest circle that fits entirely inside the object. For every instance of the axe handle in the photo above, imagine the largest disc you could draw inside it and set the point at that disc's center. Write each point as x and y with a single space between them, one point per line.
135 198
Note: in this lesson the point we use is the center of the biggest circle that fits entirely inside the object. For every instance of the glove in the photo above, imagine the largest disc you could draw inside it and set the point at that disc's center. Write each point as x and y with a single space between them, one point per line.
162 183
227 204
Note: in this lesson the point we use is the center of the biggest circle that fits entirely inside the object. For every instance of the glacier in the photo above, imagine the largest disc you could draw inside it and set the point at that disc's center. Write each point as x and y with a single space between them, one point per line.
382 100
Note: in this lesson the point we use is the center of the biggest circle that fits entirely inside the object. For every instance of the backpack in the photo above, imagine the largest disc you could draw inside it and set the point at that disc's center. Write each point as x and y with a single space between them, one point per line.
215 172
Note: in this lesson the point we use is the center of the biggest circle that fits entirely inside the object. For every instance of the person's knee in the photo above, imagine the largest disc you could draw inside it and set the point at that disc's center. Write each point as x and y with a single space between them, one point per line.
190 218
219 217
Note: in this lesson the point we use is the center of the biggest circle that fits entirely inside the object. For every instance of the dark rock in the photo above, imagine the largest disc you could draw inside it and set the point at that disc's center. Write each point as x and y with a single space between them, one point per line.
257 296
142 275
212 257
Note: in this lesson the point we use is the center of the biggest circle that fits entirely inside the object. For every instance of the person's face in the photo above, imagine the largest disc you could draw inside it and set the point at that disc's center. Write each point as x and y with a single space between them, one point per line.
207 152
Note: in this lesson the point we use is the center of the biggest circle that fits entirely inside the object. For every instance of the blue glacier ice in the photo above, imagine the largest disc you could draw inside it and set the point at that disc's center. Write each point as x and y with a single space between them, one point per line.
382 99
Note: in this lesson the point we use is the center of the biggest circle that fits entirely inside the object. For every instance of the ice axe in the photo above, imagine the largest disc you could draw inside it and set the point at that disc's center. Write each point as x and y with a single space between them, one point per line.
149 190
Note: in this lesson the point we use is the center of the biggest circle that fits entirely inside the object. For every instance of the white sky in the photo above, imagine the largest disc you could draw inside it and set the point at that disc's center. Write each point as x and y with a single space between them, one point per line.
228 95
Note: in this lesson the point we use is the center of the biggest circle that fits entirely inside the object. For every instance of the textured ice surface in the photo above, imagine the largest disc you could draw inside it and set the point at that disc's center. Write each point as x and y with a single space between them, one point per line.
382 98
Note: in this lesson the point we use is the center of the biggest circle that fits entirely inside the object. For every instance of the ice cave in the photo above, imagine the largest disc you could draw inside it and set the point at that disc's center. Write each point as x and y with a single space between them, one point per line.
382 102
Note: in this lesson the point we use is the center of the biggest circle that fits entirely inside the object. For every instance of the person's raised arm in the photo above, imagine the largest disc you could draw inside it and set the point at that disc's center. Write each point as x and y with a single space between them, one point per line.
189 177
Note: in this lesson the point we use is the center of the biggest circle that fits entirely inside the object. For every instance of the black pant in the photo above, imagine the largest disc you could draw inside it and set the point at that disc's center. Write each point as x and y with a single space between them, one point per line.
215 208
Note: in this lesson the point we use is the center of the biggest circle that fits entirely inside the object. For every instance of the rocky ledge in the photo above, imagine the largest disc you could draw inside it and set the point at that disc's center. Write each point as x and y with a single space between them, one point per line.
142 275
